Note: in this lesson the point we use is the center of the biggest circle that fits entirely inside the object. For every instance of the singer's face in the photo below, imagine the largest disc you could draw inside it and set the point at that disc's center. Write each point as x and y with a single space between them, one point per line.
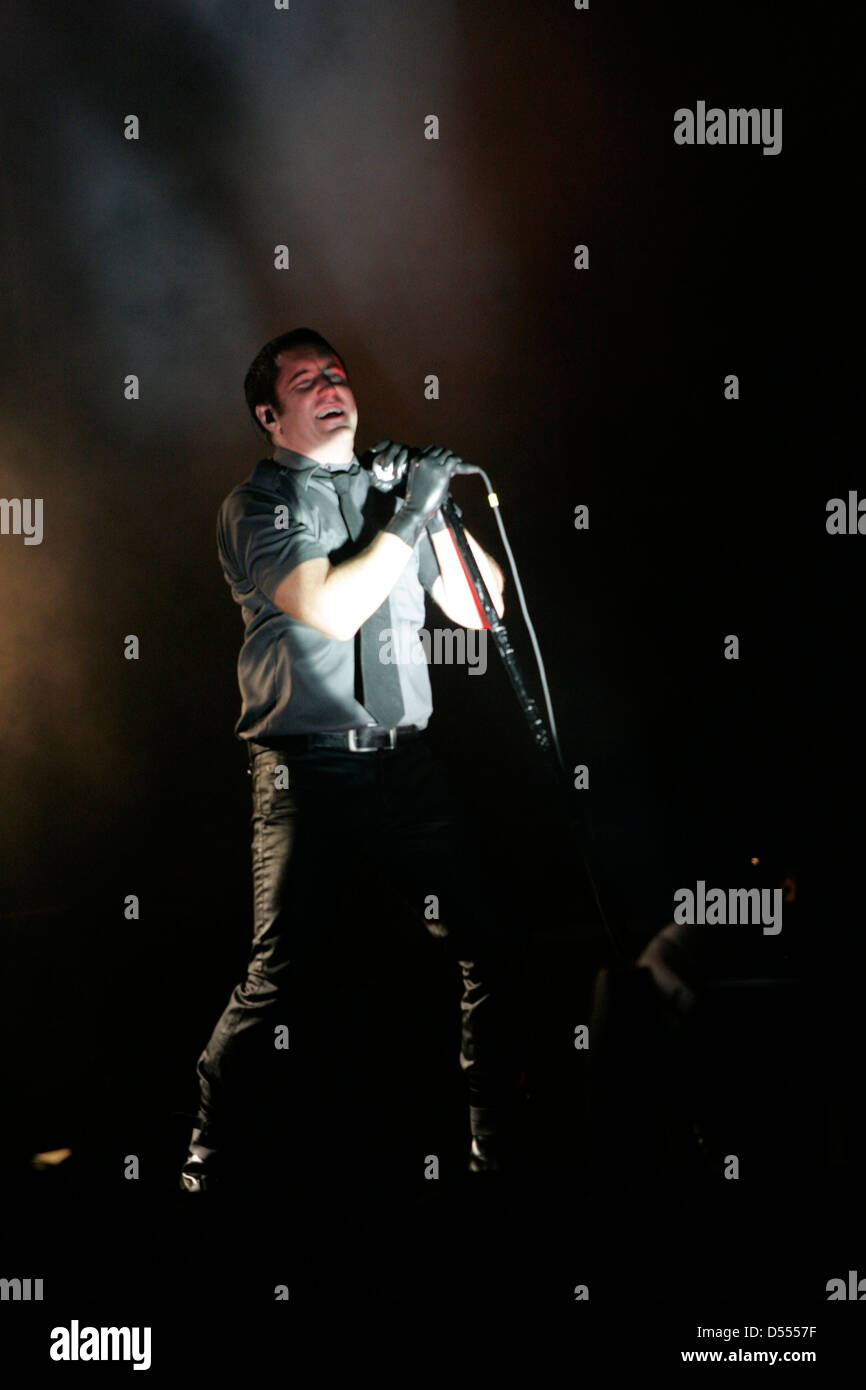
316 411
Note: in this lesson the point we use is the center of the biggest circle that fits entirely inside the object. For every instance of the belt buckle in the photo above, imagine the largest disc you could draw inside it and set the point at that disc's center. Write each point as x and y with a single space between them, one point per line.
353 743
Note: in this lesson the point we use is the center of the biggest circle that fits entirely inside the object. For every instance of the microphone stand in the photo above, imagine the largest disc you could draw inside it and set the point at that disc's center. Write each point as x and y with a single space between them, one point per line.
385 481
537 726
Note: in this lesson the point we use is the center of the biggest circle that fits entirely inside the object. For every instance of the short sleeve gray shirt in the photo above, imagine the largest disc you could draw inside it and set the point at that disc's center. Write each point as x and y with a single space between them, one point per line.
292 678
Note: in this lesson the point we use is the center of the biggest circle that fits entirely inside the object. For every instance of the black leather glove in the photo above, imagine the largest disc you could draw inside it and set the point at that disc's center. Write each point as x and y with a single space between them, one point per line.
392 463
430 476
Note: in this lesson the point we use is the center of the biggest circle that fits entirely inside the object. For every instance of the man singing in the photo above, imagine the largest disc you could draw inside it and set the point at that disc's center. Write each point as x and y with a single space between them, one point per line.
325 569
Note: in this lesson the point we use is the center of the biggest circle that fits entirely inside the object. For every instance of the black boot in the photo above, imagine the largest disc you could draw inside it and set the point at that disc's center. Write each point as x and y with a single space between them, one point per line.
204 1167
487 1155
493 1138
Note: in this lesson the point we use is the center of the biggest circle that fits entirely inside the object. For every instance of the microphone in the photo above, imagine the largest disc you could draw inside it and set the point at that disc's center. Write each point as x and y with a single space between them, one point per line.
388 479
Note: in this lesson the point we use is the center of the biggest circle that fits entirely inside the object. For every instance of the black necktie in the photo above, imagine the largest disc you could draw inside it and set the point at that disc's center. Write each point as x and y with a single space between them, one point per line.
380 682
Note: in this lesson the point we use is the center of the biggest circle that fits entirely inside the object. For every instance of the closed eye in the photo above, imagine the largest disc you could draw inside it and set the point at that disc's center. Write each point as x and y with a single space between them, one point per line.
333 376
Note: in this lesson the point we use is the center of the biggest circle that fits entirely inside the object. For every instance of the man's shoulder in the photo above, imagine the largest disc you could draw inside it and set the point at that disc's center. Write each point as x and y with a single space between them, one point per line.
267 486
262 480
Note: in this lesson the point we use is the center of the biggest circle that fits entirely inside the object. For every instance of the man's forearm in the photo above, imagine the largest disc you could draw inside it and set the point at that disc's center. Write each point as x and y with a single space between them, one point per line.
458 596
353 590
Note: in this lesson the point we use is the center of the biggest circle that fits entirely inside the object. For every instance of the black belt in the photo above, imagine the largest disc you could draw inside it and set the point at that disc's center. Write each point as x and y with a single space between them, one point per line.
371 739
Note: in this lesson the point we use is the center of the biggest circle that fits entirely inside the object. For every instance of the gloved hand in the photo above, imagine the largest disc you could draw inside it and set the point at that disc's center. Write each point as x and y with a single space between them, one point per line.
430 475
392 462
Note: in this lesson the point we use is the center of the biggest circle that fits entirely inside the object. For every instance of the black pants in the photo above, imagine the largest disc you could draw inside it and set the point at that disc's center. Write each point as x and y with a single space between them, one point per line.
384 815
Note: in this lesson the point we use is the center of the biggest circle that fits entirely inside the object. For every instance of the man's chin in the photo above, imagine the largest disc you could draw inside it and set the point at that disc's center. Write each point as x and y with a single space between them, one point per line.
329 431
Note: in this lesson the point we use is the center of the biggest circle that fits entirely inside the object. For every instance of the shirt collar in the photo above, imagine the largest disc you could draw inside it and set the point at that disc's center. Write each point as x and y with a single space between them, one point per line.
307 468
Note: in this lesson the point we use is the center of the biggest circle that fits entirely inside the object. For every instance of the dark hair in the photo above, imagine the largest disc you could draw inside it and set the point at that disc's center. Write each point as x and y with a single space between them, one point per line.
261 378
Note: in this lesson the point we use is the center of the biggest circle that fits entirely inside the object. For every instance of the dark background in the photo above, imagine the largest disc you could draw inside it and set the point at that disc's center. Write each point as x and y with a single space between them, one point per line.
603 387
